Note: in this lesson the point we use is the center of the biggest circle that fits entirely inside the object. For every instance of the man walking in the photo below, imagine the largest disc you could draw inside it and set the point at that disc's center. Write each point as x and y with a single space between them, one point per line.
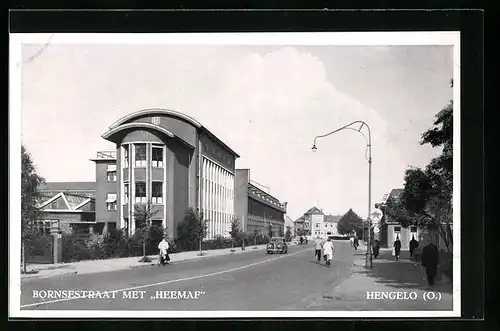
430 259
318 245
413 245
356 243
328 251
397 247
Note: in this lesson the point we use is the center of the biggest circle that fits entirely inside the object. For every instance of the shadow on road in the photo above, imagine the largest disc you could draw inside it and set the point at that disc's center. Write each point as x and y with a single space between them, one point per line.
401 274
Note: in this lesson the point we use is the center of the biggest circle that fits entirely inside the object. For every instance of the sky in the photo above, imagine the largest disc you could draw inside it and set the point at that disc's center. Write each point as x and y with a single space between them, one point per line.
266 102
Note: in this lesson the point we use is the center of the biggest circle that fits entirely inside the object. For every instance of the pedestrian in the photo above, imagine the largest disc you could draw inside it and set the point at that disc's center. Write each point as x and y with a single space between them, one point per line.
397 247
351 239
328 251
318 245
430 260
413 245
163 247
356 243
376 248
301 240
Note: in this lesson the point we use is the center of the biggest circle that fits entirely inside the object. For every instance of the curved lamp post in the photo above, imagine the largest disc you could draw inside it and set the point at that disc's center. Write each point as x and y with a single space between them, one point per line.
368 261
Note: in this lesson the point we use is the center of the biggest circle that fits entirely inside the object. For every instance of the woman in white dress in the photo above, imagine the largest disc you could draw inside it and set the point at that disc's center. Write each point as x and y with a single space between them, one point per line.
328 251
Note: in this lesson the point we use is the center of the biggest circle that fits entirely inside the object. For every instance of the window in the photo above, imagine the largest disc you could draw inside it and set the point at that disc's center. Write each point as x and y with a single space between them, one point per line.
45 226
125 157
317 225
157 192
140 155
140 192
125 193
111 173
111 201
157 157
397 229
413 229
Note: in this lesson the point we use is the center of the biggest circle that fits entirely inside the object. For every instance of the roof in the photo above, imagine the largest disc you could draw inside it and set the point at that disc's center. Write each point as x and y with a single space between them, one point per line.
333 218
167 112
73 202
395 193
300 220
68 186
255 192
313 210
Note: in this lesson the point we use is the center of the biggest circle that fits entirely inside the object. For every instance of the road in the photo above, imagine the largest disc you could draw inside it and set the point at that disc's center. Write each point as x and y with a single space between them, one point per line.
250 281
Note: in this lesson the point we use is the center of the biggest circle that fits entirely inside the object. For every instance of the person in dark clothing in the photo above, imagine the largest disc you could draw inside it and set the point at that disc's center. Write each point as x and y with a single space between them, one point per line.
413 245
356 243
397 247
376 248
430 259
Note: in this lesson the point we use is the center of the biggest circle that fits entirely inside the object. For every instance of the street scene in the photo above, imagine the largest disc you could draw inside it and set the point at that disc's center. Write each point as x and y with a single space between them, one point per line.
234 177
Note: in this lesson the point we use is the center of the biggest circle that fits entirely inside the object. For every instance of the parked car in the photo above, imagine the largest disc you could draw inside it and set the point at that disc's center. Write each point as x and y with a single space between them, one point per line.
277 245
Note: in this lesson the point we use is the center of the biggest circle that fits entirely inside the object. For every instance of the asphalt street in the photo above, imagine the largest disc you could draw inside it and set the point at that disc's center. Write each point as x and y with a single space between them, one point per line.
250 281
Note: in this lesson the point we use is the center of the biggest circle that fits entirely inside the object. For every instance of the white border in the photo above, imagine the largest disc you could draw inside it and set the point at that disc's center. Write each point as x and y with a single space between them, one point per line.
289 39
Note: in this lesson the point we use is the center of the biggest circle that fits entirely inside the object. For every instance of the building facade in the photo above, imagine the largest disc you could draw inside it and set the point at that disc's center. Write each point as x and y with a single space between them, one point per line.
67 212
315 223
168 161
256 209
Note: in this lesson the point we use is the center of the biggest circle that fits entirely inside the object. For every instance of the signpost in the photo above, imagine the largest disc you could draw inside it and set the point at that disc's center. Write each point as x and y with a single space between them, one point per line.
376 216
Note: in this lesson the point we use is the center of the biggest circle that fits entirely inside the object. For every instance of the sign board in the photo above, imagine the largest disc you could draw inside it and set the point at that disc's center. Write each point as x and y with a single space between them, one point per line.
155 120
376 230
376 215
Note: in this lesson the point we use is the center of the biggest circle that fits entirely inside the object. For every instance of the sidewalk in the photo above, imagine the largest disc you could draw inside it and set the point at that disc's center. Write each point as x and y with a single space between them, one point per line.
386 275
107 265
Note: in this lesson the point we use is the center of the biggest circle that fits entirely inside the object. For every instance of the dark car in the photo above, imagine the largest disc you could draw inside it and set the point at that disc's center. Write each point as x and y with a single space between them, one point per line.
277 245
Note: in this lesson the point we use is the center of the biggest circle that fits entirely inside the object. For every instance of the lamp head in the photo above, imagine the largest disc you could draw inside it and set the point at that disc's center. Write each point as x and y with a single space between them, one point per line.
314 148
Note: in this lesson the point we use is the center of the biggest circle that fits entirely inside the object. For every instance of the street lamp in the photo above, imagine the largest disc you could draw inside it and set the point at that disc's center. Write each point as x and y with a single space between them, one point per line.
368 261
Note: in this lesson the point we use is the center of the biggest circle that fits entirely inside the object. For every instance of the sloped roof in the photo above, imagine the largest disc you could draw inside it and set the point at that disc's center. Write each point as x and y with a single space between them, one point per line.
68 186
313 210
333 218
299 220
395 193
73 202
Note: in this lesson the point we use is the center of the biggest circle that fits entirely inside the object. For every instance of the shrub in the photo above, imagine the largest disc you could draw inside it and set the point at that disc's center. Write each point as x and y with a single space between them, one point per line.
75 248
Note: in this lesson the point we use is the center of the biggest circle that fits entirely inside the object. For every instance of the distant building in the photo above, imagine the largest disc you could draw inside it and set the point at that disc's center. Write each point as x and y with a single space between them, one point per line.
392 229
255 208
315 223
288 223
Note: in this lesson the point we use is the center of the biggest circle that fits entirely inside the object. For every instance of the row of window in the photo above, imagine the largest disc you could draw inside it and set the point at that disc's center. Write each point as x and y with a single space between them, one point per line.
325 225
140 194
140 159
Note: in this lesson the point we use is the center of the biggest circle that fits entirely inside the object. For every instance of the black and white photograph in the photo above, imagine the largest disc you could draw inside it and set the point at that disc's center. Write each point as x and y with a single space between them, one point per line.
235 175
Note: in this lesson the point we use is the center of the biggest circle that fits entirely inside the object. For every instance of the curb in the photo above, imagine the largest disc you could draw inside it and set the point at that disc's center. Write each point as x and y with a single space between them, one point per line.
149 264
41 276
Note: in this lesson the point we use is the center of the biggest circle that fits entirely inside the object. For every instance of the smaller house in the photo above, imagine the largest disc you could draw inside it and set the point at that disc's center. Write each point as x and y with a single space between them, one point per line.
68 212
392 229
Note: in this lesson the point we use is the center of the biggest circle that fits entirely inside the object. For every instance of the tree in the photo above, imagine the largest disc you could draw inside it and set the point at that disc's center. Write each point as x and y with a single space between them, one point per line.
288 233
235 231
30 196
426 201
350 222
192 230
143 215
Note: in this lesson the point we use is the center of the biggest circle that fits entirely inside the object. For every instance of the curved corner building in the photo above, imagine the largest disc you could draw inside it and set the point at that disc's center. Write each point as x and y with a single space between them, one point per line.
170 160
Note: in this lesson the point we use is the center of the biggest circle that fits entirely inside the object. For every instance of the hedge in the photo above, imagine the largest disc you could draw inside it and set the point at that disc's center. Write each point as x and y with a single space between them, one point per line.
117 243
